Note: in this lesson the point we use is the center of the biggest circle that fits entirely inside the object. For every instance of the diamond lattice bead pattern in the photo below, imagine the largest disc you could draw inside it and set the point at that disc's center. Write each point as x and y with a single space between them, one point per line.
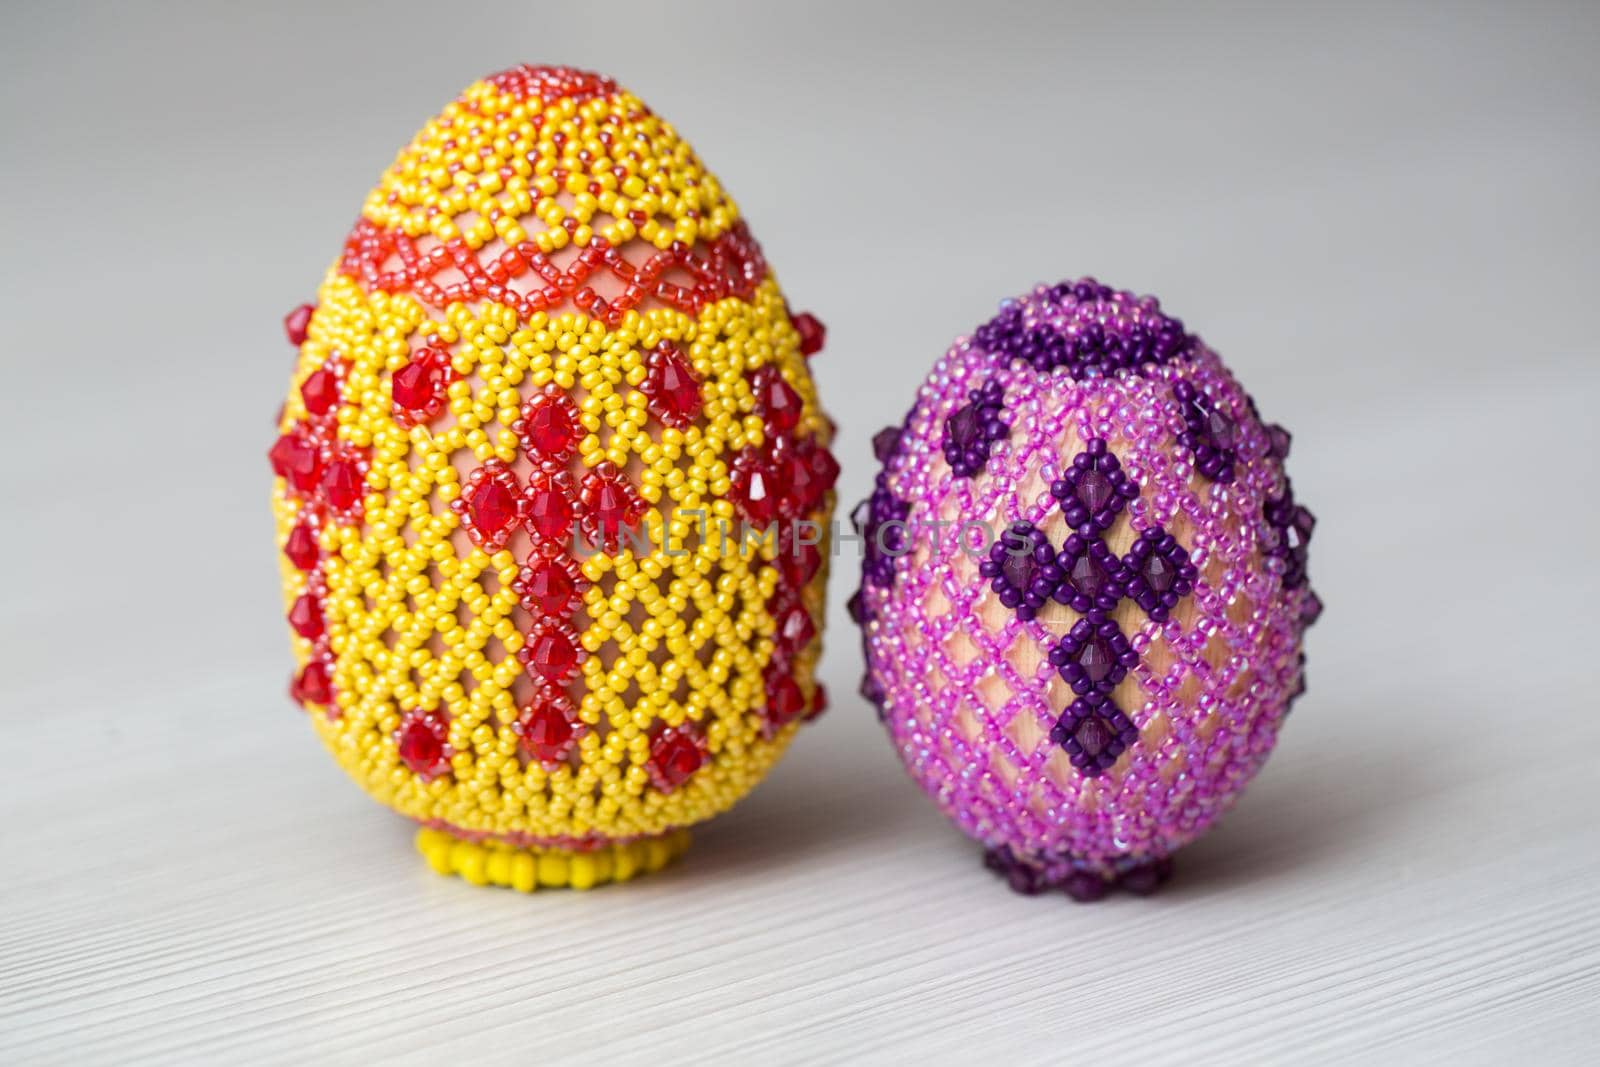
497 324
1100 729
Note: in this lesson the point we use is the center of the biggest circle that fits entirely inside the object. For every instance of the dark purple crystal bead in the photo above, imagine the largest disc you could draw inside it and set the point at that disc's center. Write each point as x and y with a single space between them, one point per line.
1094 732
857 607
1208 432
1022 569
1085 887
884 443
1094 489
1289 535
880 520
1145 878
1094 577
1094 656
1159 573
971 432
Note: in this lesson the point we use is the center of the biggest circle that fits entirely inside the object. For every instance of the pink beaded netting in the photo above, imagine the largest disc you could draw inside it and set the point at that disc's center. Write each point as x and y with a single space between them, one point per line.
1084 592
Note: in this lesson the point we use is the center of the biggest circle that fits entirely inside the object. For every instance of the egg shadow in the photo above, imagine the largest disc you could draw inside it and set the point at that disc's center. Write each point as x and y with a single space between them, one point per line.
1309 813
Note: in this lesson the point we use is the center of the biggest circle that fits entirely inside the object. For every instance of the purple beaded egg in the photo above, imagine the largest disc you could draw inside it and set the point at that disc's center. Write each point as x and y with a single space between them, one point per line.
1083 592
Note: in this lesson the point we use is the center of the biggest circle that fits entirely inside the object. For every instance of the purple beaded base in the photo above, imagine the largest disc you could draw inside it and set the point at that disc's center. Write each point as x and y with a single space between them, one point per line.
1081 884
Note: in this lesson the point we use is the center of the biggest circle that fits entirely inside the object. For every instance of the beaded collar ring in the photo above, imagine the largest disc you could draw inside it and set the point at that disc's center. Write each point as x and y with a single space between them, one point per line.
549 362
1095 657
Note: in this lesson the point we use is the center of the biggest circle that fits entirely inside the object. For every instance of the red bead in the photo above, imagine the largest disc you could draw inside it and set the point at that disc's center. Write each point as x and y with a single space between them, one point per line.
672 387
489 505
549 585
757 485
419 387
320 391
547 733
776 401
343 484
812 332
306 617
548 505
674 757
785 701
314 684
798 563
825 475
819 701
551 652
296 322
610 505
550 427
423 741
795 628
295 458
809 472
301 546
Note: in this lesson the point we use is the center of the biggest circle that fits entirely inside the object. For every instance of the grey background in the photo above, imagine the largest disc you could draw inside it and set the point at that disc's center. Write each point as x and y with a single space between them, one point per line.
1384 216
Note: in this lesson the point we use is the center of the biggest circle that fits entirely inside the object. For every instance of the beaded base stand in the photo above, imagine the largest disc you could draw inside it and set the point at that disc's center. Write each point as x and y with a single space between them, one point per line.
526 870
1084 886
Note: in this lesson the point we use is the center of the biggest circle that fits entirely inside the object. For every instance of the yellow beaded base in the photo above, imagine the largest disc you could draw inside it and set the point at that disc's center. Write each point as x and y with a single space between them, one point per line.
526 869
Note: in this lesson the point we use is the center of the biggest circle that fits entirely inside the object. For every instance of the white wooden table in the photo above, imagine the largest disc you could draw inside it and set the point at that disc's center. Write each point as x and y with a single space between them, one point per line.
1384 219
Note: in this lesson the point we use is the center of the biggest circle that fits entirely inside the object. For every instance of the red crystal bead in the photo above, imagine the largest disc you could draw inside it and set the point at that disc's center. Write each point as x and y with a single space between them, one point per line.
306 617
548 585
418 388
610 505
551 652
547 733
296 323
795 628
674 757
301 546
550 426
295 458
795 462
672 386
784 699
819 701
812 332
776 401
342 484
423 744
798 563
320 391
488 505
548 505
491 507
825 475
314 685
757 485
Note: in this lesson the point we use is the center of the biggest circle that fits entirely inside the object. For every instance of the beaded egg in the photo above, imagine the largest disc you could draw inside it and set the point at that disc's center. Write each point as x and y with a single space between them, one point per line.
1083 590
553 491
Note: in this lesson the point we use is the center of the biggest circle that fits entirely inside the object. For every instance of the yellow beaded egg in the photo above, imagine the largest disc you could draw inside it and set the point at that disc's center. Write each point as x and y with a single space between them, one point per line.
553 491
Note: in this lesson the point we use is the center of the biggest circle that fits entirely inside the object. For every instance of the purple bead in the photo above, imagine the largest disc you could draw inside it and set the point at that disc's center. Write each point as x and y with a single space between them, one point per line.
884 442
1095 491
972 431
1087 576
